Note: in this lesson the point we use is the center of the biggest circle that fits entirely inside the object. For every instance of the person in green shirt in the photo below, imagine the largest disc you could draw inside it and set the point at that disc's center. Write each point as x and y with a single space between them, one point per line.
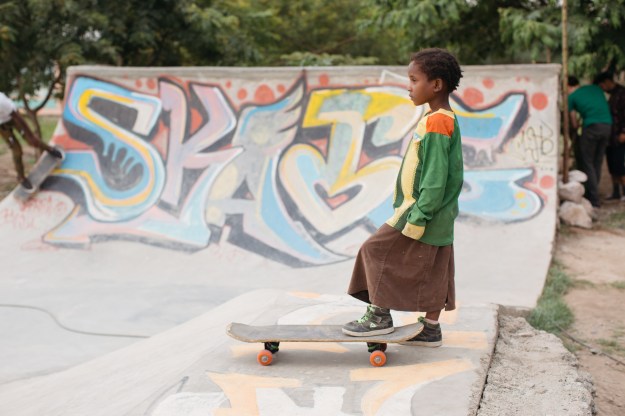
408 264
590 104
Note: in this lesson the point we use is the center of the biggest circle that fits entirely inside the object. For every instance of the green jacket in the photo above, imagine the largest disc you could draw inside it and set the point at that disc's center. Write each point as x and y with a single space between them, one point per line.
430 180
590 102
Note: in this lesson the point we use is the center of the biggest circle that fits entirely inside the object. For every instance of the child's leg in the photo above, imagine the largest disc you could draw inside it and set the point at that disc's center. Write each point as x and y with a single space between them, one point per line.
30 137
432 316
16 151
431 336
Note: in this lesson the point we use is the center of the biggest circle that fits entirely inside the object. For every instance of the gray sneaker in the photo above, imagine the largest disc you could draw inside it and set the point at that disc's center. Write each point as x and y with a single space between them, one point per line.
376 321
431 336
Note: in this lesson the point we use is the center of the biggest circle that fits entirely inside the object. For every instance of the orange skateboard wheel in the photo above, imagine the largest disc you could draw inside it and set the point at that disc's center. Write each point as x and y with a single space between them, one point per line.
264 357
377 358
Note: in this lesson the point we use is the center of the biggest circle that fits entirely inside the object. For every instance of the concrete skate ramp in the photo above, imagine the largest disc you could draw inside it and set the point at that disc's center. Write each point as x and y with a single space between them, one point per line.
184 188
195 369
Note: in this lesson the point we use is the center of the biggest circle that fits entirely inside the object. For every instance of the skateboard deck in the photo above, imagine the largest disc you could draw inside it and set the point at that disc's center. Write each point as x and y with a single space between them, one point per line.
272 335
42 169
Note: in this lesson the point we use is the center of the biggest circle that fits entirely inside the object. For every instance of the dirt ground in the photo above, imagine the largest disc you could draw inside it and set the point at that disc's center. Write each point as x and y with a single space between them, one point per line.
595 259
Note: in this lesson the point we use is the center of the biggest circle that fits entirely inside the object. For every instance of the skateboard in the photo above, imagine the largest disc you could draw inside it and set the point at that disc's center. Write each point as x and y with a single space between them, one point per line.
272 335
42 169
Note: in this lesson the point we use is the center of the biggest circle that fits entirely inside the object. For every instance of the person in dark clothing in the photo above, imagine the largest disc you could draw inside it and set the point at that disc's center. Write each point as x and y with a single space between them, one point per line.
590 103
10 122
615 152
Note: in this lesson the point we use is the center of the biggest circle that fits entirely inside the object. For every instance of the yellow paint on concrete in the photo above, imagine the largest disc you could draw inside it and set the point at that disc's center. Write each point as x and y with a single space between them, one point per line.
241 391
465 339
226 183
213 214
305 295
121 135
395 379
253 349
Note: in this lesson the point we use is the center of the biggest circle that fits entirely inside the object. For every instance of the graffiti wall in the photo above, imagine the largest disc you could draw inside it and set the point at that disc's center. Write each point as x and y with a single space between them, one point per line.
296 165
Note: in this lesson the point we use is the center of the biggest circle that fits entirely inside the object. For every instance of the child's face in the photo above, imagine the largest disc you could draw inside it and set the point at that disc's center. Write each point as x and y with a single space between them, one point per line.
420 89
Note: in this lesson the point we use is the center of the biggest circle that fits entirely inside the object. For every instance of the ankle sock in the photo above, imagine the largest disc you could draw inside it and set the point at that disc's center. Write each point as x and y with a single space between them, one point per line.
429 321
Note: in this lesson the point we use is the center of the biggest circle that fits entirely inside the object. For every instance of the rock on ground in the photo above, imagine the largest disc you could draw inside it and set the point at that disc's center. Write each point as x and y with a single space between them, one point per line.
575 214
532 373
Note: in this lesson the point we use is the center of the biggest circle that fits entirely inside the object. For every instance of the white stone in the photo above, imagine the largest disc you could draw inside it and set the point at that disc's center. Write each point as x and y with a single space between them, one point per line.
571 191
575 214
589 208
578 176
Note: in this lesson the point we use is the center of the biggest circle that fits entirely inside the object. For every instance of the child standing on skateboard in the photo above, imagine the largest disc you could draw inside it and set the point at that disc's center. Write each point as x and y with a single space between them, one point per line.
408 264
10 120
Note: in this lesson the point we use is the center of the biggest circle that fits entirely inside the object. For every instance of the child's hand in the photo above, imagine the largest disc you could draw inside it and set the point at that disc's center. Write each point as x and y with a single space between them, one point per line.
413 231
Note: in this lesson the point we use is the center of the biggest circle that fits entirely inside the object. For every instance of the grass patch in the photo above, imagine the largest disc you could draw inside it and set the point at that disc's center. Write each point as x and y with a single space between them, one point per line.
551 313
615 220
565 230
48 125
612 345
618 285
583 284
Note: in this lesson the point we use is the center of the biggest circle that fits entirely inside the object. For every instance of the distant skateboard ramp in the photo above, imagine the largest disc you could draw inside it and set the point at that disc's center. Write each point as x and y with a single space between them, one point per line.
185 187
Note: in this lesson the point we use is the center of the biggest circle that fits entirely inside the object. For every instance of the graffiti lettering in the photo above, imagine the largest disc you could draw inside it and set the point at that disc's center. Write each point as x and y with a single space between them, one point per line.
296 179
535 144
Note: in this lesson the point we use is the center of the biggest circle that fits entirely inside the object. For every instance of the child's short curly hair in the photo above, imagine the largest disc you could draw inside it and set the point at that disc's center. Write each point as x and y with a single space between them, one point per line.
438 63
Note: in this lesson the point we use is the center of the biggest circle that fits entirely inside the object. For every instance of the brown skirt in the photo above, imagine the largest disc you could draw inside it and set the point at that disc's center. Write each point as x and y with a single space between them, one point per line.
396 272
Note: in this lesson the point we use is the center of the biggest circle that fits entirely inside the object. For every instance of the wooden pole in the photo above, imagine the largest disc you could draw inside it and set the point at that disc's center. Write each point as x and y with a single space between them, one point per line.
565 95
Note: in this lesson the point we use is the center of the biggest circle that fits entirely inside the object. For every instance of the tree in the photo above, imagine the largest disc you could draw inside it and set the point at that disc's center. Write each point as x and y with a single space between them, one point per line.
595 32
511 31
312 32
39 39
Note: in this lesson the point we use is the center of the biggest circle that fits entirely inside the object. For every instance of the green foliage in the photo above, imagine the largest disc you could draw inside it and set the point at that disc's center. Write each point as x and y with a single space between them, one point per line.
534 31
615 220
324 59
511 31
595 33
618 285
551 313
613 345
39 39
427 23
48 125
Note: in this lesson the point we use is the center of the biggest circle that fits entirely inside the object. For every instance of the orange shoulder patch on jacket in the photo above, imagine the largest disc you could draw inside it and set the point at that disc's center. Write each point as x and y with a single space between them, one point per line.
440 123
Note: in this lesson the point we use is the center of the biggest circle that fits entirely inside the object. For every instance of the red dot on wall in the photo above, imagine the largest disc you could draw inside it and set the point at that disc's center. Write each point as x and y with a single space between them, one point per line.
242 94
264 94
473 96
281 88
539 101
324 80
151 84
196 119
228 84
138 83
488 83
547 182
